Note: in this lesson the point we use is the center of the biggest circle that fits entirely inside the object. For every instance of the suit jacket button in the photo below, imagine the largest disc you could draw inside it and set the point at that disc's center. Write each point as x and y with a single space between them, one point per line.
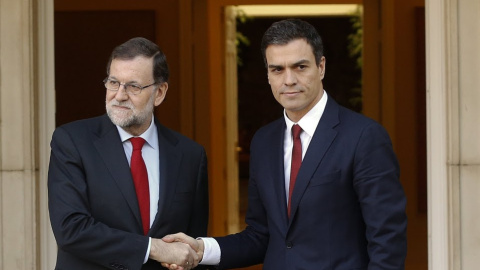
289 244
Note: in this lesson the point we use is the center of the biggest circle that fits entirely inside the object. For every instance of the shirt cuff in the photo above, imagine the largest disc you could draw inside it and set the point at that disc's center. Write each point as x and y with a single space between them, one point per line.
211 251
148 250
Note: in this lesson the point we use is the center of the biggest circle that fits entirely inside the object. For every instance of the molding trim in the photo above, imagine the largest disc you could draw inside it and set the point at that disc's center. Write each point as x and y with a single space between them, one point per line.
46 124
231 109
442 135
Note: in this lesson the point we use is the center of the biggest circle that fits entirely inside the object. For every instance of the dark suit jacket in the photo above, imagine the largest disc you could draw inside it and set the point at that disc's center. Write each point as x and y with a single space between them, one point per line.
92 202
348 206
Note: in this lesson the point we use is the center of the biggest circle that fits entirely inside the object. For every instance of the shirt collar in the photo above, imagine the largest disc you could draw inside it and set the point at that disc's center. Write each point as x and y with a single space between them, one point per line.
150 135
309 121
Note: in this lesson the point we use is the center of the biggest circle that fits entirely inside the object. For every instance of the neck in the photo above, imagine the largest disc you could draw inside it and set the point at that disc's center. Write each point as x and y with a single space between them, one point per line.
139 129
135 131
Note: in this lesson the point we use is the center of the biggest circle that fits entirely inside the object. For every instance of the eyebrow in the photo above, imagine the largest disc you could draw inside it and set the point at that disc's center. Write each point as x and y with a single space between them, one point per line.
301 62
275 66
296 64
115 78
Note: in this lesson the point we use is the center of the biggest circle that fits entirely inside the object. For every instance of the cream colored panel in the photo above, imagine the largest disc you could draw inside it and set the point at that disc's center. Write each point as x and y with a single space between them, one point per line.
17 132
469 118
18 238
469 76
16 84
470 215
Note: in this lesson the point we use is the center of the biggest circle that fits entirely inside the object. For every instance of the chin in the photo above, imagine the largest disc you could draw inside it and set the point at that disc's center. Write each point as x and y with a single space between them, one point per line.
119 119
289 106
121 122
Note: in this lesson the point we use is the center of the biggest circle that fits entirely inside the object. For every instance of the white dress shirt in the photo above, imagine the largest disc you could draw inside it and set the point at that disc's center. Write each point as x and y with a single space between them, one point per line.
150 154
308 123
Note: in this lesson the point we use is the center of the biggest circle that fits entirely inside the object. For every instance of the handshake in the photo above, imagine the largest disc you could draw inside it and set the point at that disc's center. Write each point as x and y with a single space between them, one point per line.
177 251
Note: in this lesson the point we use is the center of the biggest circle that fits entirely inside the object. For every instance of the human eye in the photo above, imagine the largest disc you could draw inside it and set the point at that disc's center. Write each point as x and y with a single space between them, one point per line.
302 67
133 88
113 84
275 69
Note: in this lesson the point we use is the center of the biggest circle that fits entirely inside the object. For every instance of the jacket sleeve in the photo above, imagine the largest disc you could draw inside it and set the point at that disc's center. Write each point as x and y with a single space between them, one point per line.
382 199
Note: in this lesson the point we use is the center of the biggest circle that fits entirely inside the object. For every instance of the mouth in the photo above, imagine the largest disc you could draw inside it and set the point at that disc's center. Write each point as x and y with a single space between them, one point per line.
291 90
291 93
118 107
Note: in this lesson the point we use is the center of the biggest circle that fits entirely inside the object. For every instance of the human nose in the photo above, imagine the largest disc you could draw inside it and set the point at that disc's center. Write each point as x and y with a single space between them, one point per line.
290 78
121 93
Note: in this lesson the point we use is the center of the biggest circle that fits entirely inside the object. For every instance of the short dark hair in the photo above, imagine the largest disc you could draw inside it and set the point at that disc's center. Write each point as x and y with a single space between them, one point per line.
282 32
140 46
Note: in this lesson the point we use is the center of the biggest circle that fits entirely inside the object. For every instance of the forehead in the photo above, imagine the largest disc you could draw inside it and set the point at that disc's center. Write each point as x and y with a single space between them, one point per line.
293 51
140 66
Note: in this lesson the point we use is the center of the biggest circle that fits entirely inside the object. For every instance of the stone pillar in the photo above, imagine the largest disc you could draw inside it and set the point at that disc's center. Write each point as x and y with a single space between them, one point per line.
26 122
453 127
18 171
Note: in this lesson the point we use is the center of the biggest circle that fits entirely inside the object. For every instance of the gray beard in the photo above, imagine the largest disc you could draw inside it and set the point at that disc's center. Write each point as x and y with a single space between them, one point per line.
137 117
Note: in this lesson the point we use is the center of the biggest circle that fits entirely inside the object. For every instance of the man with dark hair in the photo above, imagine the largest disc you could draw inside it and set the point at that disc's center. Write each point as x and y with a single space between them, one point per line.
324 190
117 183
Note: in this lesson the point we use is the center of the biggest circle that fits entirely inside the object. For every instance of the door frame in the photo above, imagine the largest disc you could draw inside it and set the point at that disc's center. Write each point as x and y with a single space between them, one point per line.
46 125
442 201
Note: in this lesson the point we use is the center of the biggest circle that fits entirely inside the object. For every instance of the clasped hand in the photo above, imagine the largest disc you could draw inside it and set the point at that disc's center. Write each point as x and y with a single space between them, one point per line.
177 251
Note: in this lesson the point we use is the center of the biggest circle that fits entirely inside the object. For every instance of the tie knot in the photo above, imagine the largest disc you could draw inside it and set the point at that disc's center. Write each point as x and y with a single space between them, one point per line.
296 130
137 143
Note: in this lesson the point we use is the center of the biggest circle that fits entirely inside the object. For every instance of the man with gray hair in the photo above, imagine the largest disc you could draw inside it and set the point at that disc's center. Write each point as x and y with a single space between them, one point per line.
119 182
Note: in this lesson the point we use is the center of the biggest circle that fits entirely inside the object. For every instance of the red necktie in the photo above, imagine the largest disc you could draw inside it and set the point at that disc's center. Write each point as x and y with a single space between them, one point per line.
296 161
140 179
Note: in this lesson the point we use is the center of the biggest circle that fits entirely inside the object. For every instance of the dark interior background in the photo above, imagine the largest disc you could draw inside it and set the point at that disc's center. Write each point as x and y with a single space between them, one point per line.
83 43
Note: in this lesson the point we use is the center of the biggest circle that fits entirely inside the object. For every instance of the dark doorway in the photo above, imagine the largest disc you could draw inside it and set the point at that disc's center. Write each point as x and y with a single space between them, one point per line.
83 43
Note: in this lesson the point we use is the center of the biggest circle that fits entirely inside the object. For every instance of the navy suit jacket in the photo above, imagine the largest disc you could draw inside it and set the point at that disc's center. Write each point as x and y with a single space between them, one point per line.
92 202
348 206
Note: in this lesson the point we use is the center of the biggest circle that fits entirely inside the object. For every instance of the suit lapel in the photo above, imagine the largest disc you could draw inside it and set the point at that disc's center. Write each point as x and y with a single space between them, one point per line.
110 148
321 141
278 173
170 160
